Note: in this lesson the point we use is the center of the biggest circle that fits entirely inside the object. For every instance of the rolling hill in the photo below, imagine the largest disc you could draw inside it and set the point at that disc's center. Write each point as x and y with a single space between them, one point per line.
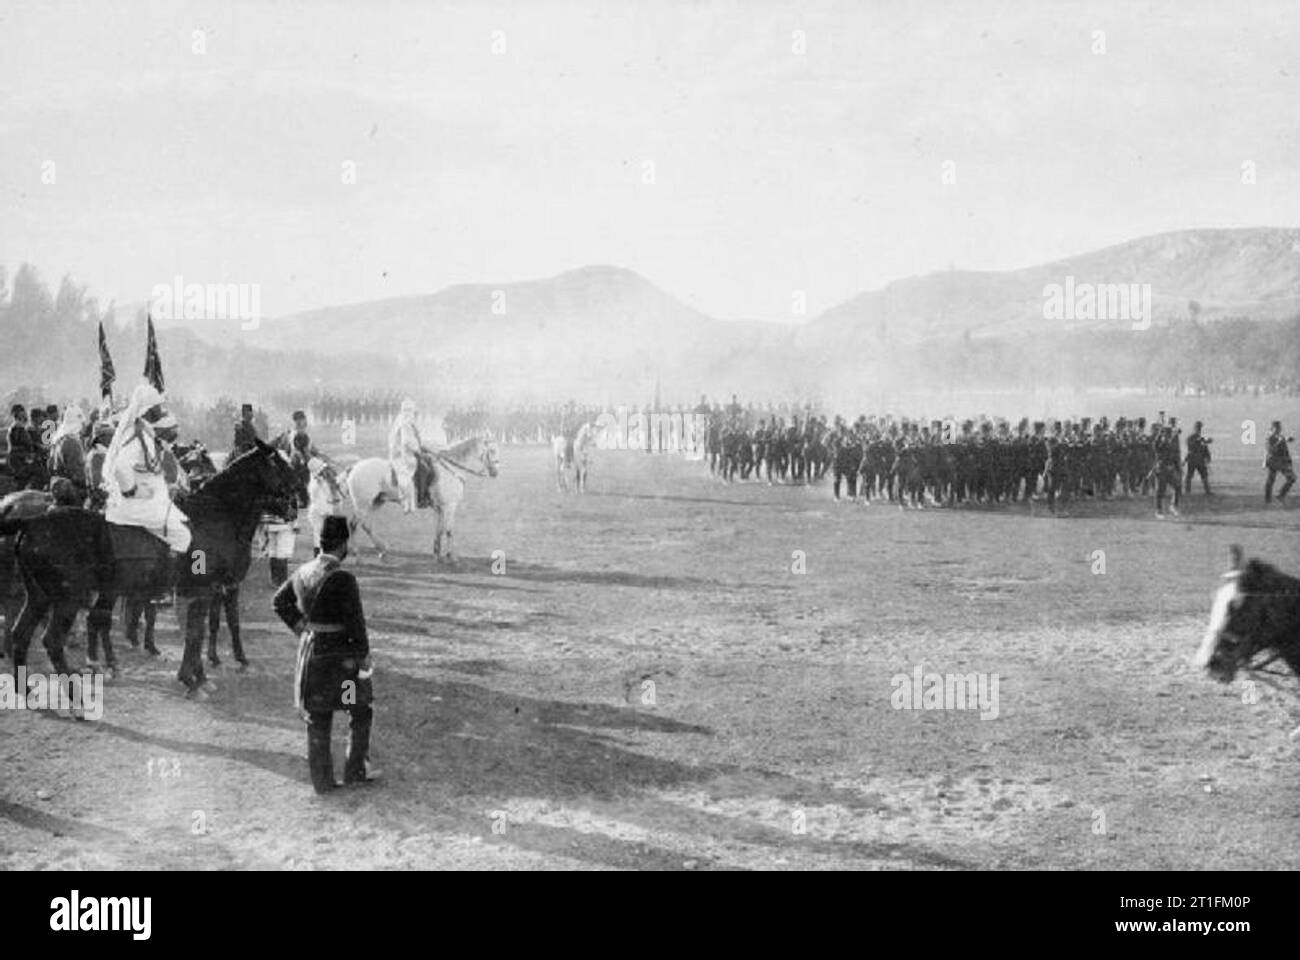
1252 272
602 332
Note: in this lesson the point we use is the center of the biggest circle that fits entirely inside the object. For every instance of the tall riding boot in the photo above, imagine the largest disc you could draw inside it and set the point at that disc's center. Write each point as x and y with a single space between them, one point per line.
166 596
230 600
319 760
279 572
357 769
214 627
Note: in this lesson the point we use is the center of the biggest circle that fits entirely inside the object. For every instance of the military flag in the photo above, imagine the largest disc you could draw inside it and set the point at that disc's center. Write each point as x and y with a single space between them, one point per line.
106 373
152 364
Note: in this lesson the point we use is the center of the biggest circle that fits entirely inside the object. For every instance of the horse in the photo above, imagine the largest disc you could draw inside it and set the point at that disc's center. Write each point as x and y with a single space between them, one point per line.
584 444
186 467
18 505
562 454
575 453
1256 612
372 482
67 556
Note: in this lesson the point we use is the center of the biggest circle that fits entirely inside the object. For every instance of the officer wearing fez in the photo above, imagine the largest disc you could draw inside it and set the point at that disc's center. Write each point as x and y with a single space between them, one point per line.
321 603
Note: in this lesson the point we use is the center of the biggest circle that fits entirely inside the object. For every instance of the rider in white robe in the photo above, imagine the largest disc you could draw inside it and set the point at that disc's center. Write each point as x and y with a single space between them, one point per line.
404 446
133 473
324 497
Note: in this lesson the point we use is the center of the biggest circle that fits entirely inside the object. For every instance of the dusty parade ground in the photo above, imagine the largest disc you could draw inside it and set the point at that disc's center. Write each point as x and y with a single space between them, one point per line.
644 681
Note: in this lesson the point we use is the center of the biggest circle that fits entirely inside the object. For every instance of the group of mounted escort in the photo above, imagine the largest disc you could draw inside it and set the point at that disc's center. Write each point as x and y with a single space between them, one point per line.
110 505
913 464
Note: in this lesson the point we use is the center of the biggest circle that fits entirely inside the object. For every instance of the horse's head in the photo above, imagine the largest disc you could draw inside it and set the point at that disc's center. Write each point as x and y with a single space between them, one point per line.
491 456
1254 609
258 478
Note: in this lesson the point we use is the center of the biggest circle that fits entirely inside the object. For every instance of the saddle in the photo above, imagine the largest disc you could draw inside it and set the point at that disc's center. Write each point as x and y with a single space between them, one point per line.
137 547
426 471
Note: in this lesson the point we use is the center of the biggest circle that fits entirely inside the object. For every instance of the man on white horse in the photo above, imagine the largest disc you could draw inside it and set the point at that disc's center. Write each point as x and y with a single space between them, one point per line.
405 450
133 472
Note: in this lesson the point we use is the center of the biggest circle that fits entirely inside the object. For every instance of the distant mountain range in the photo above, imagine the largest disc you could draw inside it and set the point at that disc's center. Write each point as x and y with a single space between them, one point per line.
605 330
1252 272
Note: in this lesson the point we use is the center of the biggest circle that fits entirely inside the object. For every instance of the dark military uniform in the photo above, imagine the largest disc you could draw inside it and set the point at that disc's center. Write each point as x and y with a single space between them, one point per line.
1168 456
322 604
1198 460
847 452
25 460
1278 461
245 435
298 446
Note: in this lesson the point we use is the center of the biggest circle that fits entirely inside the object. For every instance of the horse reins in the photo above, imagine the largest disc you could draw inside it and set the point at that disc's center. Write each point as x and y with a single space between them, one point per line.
443 458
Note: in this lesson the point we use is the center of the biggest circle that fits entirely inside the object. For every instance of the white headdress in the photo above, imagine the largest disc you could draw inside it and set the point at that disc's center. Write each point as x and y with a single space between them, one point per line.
144 398
71 425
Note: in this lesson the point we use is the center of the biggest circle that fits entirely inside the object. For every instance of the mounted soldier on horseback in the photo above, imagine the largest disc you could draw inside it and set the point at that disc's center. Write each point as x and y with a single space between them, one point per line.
410 459
134 472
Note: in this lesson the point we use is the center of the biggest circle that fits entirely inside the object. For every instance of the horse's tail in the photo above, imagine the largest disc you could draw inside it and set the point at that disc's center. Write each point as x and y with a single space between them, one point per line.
10 526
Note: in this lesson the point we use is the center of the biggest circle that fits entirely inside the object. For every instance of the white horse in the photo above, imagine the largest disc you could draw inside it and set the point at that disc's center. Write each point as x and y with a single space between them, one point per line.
575 454
372 482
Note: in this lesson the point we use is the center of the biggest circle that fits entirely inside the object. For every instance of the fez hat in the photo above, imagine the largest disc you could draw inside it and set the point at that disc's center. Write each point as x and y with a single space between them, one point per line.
246 408
64 493
334 530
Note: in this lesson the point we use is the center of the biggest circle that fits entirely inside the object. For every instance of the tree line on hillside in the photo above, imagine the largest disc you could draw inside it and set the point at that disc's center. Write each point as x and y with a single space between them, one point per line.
50 343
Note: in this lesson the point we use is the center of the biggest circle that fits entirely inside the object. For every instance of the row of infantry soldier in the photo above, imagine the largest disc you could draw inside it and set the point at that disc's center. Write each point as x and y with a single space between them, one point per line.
911 463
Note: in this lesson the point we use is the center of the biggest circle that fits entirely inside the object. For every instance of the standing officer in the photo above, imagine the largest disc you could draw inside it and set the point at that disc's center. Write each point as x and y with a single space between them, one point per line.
296 442
1278 461
321 603
1198 459
24 454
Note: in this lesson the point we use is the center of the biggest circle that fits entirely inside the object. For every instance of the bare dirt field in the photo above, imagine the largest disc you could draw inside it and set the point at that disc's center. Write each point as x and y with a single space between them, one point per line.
648 683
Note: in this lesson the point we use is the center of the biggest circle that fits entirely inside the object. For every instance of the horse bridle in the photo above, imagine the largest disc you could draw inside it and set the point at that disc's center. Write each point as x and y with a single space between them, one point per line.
443 458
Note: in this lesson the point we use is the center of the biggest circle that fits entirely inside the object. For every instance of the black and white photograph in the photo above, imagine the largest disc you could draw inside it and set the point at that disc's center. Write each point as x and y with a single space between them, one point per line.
693 435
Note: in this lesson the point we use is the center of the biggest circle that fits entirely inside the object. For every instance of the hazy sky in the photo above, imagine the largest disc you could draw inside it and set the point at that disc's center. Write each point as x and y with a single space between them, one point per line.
774 170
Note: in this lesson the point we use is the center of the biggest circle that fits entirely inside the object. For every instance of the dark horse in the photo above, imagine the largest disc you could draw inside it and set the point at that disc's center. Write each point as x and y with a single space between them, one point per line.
18 505
1256 612
196 464
72 559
